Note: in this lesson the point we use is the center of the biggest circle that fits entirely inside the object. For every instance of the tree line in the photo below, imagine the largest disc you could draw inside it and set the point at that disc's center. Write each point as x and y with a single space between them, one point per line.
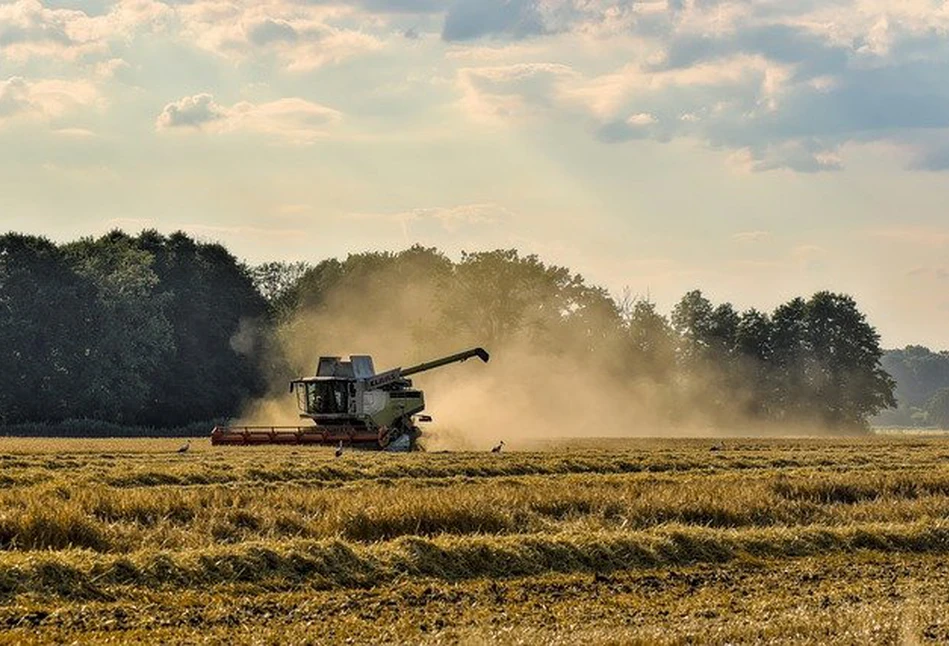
132 330
162 331
922 388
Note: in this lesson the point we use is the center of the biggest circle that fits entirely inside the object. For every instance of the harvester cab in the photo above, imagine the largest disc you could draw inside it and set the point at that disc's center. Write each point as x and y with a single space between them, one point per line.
348 401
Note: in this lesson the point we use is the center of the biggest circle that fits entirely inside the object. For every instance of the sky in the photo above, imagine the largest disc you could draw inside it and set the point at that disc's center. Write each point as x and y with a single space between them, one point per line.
756 150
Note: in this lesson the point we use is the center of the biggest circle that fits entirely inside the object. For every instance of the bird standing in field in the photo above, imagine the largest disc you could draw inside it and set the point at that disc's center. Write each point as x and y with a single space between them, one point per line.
339 449
184 449
497 449
718 447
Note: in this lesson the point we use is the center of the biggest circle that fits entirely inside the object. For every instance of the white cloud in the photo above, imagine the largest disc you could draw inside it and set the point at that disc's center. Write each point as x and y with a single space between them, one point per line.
495 53
291 120
193 111
800 155
29 30
641 119
775 85
511 92
108 68
75 133
44 100
300 37
633 102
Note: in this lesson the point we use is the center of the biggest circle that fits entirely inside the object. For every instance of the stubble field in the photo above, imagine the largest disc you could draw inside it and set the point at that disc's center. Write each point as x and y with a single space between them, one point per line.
602 542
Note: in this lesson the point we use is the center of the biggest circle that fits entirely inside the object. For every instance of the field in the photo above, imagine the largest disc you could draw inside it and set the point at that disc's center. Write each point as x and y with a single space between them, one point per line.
596 542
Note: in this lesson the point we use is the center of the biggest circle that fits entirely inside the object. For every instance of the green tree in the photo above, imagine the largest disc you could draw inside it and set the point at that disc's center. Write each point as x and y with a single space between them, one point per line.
852 384
499 295
652 342
275 281
216 314
754 353
165 330
919 373
707 372
381 302
694 320
790 356
827 359
311 290
45 311
592 327
130 335
724 330
753 336
937 409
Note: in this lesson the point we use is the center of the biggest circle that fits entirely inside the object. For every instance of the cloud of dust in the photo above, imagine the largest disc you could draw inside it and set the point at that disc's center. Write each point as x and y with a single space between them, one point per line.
524 395
350 319
527 398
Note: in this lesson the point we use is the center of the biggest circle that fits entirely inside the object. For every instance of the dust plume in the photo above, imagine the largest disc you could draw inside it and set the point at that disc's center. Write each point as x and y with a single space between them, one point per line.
560 367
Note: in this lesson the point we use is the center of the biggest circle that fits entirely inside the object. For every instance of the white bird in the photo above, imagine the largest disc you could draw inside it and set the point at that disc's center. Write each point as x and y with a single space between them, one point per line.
339 449
497 449
184 449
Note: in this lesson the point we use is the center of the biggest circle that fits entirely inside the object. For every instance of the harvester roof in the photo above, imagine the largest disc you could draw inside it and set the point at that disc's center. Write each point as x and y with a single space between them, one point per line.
359 366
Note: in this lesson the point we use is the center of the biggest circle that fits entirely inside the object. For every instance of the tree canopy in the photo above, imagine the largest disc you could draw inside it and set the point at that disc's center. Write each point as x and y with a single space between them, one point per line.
166 330
920 375
135 330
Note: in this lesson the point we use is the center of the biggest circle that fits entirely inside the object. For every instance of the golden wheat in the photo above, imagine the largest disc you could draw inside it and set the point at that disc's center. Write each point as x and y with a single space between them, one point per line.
109 525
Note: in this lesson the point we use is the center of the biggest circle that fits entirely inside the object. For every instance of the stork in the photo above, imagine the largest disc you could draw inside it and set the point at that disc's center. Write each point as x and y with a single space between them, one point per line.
339 449
497 449
185 447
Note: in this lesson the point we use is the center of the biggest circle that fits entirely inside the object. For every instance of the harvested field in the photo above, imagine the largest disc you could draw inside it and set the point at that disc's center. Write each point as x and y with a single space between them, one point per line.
612 541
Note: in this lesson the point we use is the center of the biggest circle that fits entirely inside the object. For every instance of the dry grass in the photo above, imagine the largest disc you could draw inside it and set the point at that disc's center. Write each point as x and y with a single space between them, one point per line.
112 524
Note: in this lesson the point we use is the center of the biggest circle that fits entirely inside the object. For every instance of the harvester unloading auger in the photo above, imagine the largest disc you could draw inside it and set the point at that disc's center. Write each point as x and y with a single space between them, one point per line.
349 403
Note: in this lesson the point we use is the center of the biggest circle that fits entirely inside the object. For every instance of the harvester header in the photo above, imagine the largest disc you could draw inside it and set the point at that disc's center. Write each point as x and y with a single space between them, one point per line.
348 402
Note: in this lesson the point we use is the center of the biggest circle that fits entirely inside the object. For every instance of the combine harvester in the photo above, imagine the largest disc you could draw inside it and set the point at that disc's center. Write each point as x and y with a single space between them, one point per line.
350 404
